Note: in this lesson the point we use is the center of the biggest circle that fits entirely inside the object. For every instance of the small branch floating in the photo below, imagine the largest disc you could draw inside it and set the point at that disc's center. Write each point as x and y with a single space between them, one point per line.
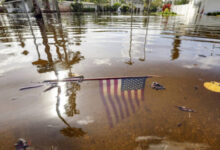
30 87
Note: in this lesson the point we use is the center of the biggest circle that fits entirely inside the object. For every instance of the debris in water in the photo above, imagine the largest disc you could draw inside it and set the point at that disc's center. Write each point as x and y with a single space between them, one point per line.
21 144
183 108
180 124
31 87
196 87
25 52
202 55
13 99
148 138
212 86
157 86
51 87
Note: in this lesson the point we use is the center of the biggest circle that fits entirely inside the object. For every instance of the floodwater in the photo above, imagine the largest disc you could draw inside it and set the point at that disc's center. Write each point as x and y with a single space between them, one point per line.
125 114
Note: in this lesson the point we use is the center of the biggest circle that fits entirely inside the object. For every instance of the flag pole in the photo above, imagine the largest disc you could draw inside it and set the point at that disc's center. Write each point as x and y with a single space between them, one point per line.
81 78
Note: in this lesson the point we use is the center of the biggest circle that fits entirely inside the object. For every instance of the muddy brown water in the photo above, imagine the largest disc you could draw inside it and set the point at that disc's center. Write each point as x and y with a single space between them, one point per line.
75 115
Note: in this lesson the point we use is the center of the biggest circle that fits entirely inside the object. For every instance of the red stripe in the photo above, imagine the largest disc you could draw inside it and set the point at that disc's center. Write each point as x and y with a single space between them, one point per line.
125 103
131 101
111 101
136 97
105 104
117 98
142 94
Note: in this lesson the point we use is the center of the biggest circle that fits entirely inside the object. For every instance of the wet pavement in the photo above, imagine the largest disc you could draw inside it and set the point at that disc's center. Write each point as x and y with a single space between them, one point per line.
123 113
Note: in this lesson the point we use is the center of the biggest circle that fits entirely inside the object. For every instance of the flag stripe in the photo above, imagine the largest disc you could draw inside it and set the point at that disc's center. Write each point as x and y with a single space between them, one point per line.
121 97
136 97
125 103
111 100
131 101
142 94
105 103
117 98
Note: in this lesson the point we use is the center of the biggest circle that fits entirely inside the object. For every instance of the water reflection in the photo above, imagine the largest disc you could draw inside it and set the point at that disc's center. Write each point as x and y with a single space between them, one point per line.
66 59
158 143
70 111
58 47
123 96
146 23
176 46
130 62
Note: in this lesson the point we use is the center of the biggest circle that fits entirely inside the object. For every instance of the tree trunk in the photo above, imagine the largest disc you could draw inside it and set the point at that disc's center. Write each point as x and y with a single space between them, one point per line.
37 10
46 5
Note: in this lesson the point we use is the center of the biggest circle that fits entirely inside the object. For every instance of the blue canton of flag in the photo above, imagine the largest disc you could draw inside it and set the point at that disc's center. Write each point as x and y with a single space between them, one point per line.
133 83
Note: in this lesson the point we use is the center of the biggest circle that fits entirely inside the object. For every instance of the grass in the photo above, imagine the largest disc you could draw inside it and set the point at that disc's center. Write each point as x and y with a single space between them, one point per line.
164 14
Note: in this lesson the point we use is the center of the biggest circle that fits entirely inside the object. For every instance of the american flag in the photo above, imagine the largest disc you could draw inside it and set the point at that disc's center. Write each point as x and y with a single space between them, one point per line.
121 97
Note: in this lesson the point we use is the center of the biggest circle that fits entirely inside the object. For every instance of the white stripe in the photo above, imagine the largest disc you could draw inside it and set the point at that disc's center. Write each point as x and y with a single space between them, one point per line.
114 99
139 95
134 100
111 110
120 98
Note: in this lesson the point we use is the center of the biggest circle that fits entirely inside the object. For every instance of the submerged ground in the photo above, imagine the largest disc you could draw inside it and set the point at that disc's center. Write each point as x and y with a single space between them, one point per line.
89 115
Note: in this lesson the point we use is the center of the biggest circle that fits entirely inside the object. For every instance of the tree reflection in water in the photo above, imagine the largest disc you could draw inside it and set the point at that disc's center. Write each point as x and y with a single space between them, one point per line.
176 45
70 107
66 59
68 131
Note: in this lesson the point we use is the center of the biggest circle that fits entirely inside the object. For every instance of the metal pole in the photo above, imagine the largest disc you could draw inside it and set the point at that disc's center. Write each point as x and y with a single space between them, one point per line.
95 79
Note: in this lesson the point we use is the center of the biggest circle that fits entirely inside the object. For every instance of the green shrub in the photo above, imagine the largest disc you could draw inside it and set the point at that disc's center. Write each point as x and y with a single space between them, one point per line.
116 6
77 7
125 8
88 9
108 8
181 2
213 13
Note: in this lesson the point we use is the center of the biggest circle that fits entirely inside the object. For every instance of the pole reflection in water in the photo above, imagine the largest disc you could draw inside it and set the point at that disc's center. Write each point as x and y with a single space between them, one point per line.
130 62
145 40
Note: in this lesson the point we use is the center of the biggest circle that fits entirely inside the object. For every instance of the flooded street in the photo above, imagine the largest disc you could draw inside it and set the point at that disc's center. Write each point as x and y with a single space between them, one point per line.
109 114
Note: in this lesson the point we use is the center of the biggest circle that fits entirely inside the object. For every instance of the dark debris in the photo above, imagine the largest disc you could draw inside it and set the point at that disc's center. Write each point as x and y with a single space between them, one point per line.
157 86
